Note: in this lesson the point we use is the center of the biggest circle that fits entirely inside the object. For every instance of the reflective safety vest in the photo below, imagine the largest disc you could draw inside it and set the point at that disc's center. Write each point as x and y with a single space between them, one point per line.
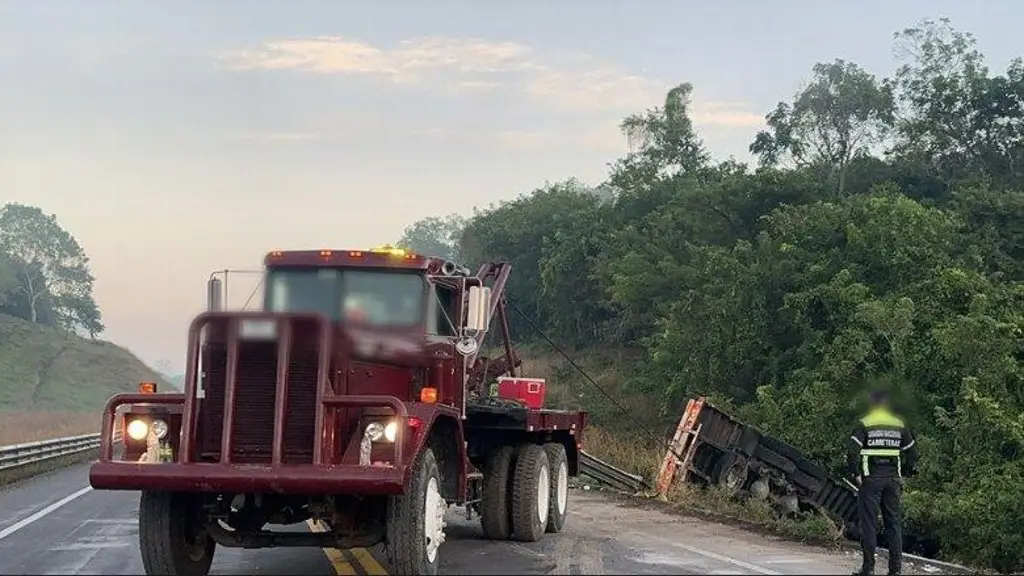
882 444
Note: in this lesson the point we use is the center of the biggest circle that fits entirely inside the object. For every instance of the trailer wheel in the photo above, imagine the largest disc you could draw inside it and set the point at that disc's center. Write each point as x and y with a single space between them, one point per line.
731 471
495 512
531 493
171 539
415 521
760 489
559 500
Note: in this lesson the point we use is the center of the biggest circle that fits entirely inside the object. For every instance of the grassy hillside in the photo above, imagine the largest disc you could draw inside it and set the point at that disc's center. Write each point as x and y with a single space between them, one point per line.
42 369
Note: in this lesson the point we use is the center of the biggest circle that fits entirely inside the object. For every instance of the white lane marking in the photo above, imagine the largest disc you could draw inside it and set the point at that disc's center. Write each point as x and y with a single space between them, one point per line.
44 512
714 556
89 546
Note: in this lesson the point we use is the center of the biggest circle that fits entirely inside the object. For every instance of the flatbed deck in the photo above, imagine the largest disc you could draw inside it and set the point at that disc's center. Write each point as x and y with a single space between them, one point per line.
497 414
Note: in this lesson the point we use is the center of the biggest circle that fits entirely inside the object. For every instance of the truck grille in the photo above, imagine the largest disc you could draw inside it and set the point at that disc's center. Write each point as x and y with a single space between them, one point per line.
253 428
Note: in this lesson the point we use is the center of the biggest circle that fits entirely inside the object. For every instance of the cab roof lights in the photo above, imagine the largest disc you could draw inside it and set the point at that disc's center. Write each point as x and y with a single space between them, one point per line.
327 254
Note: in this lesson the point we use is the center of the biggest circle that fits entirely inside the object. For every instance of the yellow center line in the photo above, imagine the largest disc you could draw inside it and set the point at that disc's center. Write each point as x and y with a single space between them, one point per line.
368 562
336 557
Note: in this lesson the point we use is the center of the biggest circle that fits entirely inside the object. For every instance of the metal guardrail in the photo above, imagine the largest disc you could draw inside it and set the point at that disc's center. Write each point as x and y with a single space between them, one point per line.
18 455
604 473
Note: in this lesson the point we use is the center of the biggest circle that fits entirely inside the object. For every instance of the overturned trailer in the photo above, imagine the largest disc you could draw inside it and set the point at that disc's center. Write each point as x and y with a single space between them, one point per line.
712 447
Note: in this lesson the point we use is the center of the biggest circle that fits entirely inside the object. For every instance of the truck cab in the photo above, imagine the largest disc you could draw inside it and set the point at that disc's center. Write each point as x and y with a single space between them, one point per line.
356 398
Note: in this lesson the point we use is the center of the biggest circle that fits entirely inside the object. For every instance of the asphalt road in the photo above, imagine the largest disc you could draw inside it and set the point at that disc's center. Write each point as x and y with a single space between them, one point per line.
55 524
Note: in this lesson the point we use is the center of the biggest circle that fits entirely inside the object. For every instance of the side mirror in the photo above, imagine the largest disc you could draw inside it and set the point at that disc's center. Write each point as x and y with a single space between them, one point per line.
478 314
214 293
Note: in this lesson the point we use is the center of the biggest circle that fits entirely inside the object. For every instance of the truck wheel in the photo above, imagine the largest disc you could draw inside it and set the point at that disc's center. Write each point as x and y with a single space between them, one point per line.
731 471
415 522
531 493
559 500
171 539
495 517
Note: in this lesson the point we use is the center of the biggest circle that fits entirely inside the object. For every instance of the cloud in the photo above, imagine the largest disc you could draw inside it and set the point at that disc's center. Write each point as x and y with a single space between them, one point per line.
472 65
725 114
406 62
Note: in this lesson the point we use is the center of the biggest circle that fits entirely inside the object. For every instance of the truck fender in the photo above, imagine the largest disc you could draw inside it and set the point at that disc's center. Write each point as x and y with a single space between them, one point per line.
440 428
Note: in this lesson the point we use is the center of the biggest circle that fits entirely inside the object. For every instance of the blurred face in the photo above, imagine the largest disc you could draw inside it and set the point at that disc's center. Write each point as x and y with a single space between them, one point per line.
878 402
353 310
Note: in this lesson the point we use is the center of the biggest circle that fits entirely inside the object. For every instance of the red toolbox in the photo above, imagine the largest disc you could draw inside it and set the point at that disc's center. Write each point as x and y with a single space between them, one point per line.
528 390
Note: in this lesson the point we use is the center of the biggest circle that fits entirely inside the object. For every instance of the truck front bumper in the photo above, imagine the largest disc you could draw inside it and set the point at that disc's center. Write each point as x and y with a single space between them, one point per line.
248 478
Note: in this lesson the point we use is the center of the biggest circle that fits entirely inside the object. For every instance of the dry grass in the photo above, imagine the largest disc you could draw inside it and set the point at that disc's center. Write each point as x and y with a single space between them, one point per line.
634 453
18 427
720 504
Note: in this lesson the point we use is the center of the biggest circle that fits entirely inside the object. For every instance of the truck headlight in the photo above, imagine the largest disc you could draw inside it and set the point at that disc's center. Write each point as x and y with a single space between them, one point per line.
379 432
138 430
159 428
375 431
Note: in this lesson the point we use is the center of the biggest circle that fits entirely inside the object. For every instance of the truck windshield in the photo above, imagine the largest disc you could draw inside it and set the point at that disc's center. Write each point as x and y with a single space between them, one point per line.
375 297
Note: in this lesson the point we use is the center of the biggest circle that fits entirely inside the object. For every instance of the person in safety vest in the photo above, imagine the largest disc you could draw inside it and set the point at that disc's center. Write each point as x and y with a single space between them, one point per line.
882 452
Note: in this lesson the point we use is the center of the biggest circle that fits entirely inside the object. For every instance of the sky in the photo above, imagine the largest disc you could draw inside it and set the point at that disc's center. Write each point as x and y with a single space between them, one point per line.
175 138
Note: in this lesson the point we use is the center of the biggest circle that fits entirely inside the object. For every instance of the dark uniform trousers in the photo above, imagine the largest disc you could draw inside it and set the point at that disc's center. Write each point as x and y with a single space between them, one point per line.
884 493
881 448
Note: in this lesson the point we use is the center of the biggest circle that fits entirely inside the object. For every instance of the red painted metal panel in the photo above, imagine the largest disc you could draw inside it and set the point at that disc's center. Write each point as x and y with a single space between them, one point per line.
241 478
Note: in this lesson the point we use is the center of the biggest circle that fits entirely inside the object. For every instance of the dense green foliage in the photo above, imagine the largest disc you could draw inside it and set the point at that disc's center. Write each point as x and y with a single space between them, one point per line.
880 241
44 273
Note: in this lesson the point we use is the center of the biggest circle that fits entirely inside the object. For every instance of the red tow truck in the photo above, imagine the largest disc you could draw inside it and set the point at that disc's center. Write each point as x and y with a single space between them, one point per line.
358 397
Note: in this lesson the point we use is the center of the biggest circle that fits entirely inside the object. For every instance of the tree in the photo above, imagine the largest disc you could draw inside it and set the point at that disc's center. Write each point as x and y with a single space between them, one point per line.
435 236
663 143
954 120
49 263
14 293
516 232
8 280
839 115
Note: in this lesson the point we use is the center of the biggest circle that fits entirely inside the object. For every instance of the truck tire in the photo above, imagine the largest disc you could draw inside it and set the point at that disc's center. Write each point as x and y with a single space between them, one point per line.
731 471
559 503
415 521
495 511
171 539
531 493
